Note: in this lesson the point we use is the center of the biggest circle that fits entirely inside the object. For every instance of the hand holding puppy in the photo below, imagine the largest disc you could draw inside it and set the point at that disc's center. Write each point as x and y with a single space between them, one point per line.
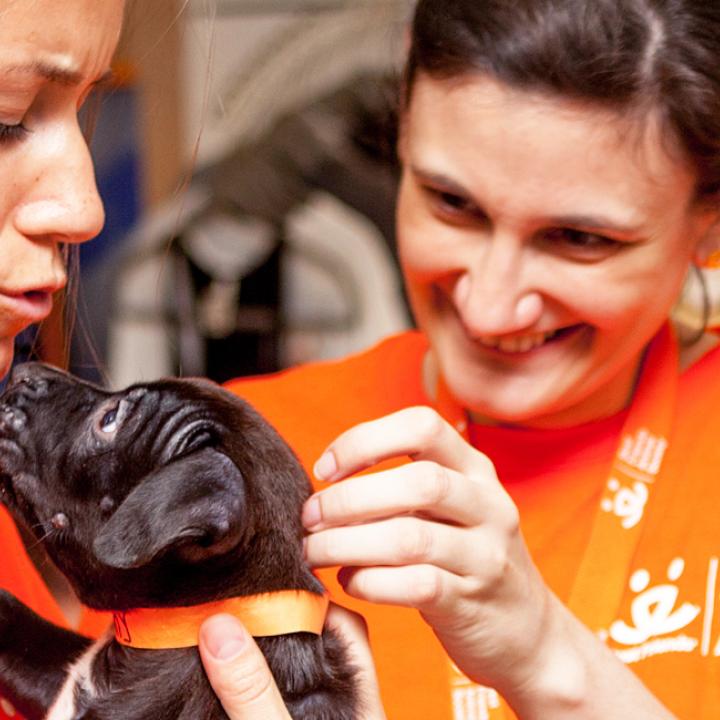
242 680
238 672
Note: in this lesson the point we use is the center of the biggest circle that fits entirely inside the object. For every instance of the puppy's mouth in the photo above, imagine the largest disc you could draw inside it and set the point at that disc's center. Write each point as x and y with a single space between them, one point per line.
14 500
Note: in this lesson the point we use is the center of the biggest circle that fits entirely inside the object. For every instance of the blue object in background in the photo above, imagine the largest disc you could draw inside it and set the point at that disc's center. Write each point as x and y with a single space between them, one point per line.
116 156
115 149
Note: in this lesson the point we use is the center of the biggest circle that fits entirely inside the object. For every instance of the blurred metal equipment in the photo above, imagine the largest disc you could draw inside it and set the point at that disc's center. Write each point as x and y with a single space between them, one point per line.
282 249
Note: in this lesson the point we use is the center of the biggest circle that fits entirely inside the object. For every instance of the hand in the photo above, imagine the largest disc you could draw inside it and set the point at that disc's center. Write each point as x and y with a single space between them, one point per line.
439 534
238 672
241 678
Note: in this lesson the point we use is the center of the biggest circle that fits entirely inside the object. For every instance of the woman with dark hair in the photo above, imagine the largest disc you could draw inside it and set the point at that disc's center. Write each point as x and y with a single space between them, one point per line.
537 465
534 470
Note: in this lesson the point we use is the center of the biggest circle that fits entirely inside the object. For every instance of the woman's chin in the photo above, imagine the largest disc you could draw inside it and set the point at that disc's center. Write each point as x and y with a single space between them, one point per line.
7 350
503 399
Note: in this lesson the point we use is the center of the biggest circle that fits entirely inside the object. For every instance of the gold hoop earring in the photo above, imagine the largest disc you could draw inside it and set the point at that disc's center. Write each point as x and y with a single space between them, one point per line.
705 316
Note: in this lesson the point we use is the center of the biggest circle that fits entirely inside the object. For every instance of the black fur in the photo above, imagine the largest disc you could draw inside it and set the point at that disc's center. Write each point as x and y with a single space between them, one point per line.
166 494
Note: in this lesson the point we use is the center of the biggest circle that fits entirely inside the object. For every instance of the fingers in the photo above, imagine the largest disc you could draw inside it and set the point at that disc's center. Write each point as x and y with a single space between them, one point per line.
419 432
421 487
449 481
238 672
421 587
395 542
241 678
353 630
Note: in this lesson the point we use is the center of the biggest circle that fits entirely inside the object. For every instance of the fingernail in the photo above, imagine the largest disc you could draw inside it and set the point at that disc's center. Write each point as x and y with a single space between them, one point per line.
326 467
224 637
311 513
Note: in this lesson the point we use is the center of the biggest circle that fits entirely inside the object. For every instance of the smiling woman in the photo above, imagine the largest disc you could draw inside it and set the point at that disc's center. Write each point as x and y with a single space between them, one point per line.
535 469
561 173
529 263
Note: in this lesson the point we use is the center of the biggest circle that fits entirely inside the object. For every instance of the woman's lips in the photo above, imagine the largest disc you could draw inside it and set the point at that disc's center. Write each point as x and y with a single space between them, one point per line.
524 346
29 307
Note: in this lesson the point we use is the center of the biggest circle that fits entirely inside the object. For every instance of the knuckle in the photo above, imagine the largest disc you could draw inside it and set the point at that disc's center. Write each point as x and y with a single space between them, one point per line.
427 589
319 549
487 465
507 518
496 568
246 683
415 541
512 520
428 424
433 485
359 584
337 502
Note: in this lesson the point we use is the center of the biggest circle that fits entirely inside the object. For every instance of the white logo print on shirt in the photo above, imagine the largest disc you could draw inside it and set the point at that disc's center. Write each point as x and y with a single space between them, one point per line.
654 610
661 623
639 459
627 503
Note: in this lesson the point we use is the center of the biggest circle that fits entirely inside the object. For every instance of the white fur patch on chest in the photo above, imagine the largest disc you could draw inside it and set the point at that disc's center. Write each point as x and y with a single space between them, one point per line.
78 680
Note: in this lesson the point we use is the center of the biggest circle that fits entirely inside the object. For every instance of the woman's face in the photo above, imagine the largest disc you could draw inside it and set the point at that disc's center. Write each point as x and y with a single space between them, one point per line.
51 56
543 244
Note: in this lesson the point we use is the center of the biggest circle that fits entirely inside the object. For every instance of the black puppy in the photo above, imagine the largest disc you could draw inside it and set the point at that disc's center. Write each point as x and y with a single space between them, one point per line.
168 494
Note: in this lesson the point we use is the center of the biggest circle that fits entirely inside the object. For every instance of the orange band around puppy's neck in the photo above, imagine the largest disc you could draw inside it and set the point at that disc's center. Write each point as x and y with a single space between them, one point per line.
275 613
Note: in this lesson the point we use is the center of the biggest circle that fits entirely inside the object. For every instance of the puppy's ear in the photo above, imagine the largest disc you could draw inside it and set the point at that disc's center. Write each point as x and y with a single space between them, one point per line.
195 504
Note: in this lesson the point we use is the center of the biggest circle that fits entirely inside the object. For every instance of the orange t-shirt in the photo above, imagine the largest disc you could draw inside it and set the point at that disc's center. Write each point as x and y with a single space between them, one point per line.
669 618
670 615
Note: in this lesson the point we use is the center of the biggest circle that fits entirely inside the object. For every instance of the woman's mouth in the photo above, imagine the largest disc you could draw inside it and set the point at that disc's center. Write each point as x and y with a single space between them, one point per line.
522 344
28 307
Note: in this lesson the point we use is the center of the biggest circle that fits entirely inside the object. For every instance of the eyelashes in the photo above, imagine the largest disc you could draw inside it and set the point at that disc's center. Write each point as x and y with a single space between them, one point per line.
12 133
457 210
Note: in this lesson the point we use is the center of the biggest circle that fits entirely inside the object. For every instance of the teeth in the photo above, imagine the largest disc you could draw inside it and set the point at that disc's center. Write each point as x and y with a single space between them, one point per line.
518 344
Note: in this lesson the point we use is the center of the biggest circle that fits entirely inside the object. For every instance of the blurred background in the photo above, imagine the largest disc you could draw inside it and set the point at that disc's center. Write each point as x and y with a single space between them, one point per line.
246 157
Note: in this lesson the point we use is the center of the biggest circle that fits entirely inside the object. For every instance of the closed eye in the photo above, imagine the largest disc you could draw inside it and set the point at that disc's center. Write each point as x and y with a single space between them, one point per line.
580 245
451 206
12 133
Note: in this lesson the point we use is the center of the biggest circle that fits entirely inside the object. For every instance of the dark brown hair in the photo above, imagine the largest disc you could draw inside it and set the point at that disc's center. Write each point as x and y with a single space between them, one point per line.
660 55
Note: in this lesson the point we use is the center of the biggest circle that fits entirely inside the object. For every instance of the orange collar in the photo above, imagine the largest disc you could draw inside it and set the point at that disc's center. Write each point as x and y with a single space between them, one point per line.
275 613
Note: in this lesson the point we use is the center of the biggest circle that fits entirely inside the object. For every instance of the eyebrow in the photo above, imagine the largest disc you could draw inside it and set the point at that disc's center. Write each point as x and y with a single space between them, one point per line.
583 221
55 73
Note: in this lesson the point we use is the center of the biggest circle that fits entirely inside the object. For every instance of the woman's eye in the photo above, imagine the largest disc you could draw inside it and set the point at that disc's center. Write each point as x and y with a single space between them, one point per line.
12 133
582 244
452 205
108 424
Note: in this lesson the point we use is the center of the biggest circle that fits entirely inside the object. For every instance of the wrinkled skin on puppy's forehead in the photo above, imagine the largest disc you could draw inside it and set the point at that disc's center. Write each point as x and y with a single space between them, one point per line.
106 438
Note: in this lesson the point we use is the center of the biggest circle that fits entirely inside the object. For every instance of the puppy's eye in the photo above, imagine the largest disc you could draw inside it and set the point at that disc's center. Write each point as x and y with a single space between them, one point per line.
108 423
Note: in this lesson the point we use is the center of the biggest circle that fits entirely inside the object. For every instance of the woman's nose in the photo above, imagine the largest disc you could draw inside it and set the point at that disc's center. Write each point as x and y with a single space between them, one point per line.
494 294
64 204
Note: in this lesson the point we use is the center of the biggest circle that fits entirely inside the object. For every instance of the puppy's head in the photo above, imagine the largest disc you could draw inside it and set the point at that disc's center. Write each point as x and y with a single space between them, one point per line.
171 492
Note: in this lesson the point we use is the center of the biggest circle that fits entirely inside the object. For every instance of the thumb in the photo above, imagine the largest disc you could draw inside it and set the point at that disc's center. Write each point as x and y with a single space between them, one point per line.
238 672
